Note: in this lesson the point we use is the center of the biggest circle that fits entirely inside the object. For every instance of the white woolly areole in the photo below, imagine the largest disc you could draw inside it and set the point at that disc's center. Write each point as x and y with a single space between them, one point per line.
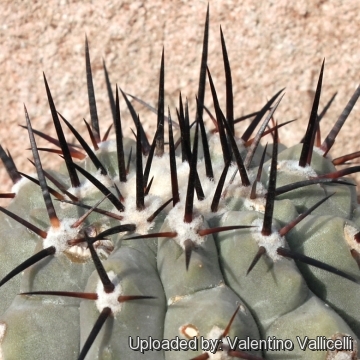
109 300
209 187
2 335
271 243
22 182
349 233
88 188
319 151
342 354
236 190
106 146
59 236
214 334
104 179
185 230
160 192
259 203
139 218
293 166
160 170
76 191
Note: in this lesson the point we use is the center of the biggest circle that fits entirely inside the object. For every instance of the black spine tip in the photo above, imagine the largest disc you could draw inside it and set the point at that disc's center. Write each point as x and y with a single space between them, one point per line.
159 149
140 194
309 138
97 163
119 139
109 91
105 313
29 262
330 139
10 166
229 90
313 262
107 284
54 220
270 199
91 95
173 171
75 182
219 188
101 187
261 251
189 202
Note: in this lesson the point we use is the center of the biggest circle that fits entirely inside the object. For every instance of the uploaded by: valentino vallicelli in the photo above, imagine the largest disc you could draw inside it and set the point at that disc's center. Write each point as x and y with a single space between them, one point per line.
319 343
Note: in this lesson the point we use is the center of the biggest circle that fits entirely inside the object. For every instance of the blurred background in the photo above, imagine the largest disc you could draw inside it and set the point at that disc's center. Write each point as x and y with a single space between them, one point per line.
271 45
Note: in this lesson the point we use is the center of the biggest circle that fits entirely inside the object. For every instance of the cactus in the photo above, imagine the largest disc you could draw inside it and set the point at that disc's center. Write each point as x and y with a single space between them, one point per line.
209 246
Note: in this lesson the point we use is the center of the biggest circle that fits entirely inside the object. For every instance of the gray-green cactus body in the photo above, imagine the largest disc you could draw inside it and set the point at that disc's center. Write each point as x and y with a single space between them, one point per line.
257 288
332 245
275 290
57 320
325 324
132 321
199 302
342 203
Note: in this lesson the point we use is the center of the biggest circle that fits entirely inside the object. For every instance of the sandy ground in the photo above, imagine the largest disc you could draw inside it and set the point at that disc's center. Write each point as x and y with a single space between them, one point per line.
271 45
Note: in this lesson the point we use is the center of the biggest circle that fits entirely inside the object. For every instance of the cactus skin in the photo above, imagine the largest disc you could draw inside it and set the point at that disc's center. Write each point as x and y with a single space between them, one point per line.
216 266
